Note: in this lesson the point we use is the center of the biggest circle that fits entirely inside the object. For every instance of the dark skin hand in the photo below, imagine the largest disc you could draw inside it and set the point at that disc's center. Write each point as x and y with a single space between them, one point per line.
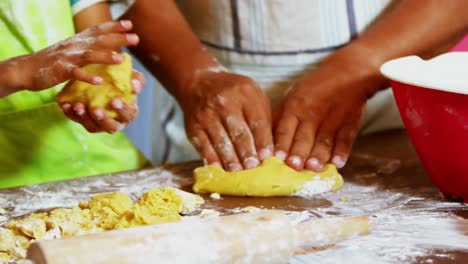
318 121
96 120
224 122
62 61
320 116
227 116
97 42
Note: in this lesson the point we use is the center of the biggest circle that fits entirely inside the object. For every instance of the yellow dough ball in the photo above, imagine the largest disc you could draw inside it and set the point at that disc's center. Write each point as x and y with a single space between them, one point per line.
116 84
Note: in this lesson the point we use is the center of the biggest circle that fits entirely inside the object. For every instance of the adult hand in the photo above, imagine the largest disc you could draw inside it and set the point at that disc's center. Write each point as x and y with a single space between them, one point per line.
228 120
96 120
319 119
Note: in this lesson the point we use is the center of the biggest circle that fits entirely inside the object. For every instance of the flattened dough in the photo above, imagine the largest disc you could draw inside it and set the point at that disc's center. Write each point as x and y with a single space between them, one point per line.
272 178
117 84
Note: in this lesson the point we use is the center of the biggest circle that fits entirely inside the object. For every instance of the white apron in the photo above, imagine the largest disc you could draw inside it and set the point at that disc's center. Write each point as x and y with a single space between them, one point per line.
274 42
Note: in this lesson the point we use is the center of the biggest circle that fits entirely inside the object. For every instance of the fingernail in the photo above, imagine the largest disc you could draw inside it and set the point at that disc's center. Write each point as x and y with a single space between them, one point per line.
339 162
66 106
120 127
234 167
215 164
97 80
251 163
126 24
79 111
314 164
295 160
132 38
117 104
99 114
136 85
280 155
265 153
117 58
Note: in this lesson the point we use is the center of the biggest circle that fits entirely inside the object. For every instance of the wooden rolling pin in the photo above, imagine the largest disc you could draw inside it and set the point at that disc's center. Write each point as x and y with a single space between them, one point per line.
261 237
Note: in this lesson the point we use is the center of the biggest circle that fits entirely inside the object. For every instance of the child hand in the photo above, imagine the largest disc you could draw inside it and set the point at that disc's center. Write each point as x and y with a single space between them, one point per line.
96 120
62 61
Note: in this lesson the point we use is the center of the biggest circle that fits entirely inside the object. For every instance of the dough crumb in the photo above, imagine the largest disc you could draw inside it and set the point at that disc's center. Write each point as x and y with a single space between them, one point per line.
4 257
215 196
209 213
190 201
248 209
344 199
106 211
117 84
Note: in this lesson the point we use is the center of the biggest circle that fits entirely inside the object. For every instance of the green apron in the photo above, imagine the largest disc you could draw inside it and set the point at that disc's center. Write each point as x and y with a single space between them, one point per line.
37 142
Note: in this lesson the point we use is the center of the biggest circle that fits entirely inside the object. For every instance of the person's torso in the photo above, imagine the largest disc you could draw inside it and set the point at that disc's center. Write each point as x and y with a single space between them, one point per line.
37 143
274 42
277 41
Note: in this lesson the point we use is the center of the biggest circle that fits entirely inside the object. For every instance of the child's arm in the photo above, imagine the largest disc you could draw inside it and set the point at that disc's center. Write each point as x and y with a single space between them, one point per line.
62 61
10 80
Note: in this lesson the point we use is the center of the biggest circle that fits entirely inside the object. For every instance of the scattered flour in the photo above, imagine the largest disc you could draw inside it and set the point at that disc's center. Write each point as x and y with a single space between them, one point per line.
215 196
248 209
18 202
408 221
209 213
315 187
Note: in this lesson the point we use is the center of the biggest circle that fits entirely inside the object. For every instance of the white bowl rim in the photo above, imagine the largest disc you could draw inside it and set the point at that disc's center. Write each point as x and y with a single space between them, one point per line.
444 72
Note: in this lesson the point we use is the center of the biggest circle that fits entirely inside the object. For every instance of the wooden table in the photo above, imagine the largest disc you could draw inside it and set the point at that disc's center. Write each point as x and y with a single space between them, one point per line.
412 222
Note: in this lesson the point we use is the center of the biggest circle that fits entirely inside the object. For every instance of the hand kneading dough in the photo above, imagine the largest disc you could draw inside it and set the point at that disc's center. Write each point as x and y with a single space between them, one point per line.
117 84
272 178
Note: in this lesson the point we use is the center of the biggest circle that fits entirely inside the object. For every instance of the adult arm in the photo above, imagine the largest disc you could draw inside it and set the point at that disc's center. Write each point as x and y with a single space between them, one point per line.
227 117
320 118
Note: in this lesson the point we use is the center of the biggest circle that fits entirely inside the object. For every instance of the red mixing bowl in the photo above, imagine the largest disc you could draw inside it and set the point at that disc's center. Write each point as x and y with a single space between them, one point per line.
432 97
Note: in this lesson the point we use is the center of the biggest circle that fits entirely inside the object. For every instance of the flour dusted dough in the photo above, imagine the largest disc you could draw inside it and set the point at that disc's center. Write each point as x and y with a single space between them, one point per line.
271 178
117 84
103 212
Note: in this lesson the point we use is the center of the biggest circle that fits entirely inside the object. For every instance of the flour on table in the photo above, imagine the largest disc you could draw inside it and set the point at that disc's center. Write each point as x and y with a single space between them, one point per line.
248 209
215 196
209 213
18 202
408 223
315 187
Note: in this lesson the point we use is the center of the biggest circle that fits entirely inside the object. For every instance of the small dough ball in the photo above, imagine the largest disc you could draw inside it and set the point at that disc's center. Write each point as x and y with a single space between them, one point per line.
33 226
108 209
157 206
117 84
13 243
